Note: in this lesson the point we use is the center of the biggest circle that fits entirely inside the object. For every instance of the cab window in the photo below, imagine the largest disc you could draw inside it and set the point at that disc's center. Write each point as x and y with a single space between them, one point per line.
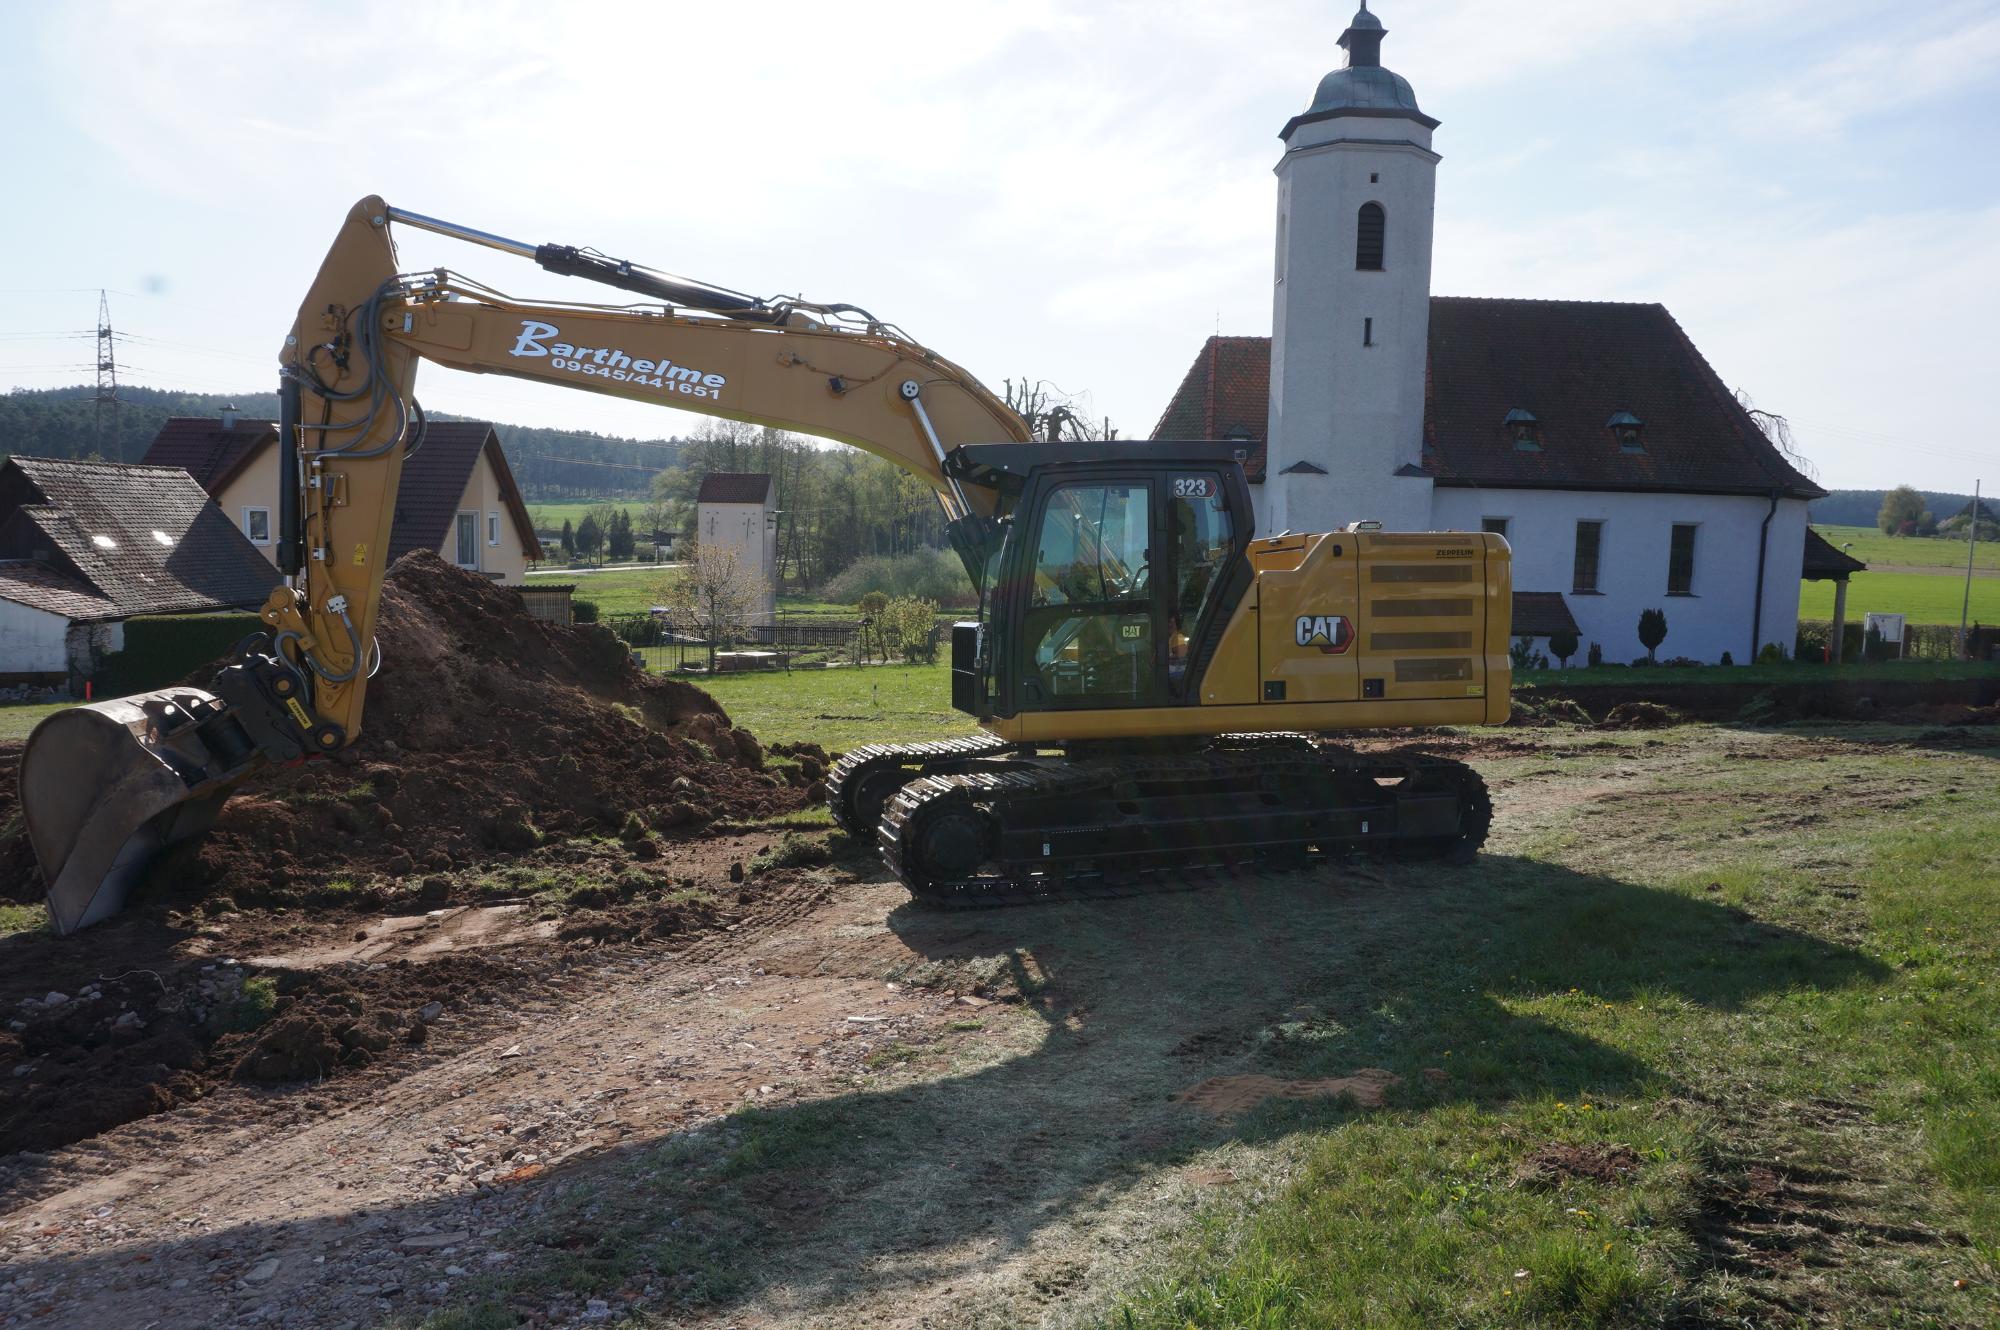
1090 633
1202 541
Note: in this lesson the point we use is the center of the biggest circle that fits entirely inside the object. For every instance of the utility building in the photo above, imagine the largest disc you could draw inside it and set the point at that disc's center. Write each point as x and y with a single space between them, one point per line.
735 510
1593 435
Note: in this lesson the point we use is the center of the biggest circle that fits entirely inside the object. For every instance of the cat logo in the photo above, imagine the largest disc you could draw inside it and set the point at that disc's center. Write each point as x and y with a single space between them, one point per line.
1331 633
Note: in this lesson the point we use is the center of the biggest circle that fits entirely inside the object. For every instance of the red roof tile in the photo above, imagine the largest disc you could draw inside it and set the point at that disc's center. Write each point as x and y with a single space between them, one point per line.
1571 364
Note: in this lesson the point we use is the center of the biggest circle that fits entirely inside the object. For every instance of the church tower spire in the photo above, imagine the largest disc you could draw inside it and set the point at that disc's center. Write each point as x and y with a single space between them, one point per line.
1350 326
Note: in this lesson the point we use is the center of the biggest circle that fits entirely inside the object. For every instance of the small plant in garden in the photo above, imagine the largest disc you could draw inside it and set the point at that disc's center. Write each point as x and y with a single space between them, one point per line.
1563 645
1596 656
1727 659
1771 654
1652 631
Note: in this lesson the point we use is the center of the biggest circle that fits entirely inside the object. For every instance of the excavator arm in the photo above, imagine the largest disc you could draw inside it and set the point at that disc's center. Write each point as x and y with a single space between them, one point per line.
103 786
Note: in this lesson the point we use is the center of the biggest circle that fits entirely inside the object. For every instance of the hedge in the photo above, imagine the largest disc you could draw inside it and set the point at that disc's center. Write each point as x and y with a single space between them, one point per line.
167 649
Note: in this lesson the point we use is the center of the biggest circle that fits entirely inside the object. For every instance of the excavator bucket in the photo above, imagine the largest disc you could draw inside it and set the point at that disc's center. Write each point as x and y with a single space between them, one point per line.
105 787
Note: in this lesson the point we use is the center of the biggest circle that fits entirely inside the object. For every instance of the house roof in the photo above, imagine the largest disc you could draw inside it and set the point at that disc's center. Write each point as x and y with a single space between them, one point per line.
1226 395
214 456
434 478
1542 614
35 584
1572 365
734 487
147 539
1824 562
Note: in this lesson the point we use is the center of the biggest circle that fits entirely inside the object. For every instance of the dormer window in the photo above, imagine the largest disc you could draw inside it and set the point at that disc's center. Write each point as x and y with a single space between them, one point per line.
1526 431
1629 430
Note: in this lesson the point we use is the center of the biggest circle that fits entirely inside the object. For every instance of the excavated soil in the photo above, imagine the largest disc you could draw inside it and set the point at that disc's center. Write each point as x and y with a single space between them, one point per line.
1553 1164
522 792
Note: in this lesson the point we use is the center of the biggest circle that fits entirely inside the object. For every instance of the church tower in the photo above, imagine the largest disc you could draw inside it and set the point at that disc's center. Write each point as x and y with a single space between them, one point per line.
1350 326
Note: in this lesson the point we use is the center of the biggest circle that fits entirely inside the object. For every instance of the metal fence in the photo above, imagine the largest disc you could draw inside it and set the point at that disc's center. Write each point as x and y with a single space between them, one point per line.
1921 641
793 641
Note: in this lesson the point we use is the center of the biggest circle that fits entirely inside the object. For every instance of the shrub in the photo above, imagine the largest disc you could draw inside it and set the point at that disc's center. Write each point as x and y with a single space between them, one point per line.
1563 644
1727 659
1652 631
1771 654
1523 656
164 650
583 611
925 575
1596 656
911 625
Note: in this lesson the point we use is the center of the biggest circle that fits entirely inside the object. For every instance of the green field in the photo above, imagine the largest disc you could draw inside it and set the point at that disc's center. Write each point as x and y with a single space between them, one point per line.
551 516
1923 597
1880 551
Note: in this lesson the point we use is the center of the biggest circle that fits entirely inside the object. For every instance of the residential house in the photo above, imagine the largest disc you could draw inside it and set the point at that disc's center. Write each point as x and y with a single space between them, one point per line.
1594 436
86 545
457 495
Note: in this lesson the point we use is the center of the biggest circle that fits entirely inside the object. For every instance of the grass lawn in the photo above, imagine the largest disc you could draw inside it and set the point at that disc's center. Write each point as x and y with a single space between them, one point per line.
1880 551
1924 597
840 708
16 720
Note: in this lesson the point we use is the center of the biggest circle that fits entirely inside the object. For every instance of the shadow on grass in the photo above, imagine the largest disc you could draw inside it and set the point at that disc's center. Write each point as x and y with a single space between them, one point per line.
877 1191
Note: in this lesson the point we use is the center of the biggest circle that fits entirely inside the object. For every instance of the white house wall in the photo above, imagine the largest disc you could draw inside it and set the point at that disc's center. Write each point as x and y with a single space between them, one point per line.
1632 563
32 641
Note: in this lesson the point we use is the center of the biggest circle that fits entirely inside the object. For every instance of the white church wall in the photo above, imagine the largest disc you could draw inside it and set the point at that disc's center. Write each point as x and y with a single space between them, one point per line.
1632 563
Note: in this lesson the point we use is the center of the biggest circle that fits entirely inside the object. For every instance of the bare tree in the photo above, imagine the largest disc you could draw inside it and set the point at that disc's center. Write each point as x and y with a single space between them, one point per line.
1053 414
710 595
1779 431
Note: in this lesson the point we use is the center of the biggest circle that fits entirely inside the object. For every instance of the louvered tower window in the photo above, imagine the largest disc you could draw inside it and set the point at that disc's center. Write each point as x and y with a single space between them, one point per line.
1368 238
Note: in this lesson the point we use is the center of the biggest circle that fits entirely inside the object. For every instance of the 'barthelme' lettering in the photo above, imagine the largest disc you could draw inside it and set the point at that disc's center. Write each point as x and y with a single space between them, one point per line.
612 363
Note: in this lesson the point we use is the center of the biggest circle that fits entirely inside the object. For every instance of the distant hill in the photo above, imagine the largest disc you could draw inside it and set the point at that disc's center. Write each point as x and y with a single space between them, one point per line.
1860 507
550 464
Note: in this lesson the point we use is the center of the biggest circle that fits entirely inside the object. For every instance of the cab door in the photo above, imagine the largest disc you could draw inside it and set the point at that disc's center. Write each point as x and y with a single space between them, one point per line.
1087 595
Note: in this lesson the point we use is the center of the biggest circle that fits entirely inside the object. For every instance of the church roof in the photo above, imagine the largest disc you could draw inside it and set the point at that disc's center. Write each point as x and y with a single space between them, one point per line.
1569 364
1363 87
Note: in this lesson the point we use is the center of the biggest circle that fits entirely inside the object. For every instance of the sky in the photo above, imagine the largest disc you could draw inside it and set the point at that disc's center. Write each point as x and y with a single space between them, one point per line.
1076 193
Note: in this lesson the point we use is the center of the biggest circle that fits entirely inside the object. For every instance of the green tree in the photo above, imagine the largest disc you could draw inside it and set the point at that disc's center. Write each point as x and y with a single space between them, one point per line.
1652 632
589 537
568 539
1901 504
618 535
1563 644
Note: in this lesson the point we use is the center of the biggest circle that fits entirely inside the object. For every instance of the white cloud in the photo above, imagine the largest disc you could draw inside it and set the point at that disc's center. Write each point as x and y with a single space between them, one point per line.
1885 69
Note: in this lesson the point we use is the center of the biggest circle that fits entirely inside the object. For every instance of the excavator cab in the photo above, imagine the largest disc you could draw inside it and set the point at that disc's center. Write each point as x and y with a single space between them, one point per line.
1118 567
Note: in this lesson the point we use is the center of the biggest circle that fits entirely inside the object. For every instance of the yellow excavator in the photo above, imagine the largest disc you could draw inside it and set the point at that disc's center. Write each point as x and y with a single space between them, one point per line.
1153 679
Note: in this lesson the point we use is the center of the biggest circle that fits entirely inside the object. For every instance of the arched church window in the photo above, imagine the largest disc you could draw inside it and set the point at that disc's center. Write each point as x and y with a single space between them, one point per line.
1368 238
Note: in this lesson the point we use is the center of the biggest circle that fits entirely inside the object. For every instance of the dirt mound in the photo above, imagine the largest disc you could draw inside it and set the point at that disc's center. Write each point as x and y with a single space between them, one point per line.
1553 1164
1640 716
488 734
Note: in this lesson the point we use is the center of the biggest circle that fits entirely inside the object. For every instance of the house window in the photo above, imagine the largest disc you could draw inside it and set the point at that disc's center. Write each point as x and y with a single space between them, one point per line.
468 540
1524 429
1369 229
1367 332
257 525
1496 525
1680 560
1589 540
492 528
